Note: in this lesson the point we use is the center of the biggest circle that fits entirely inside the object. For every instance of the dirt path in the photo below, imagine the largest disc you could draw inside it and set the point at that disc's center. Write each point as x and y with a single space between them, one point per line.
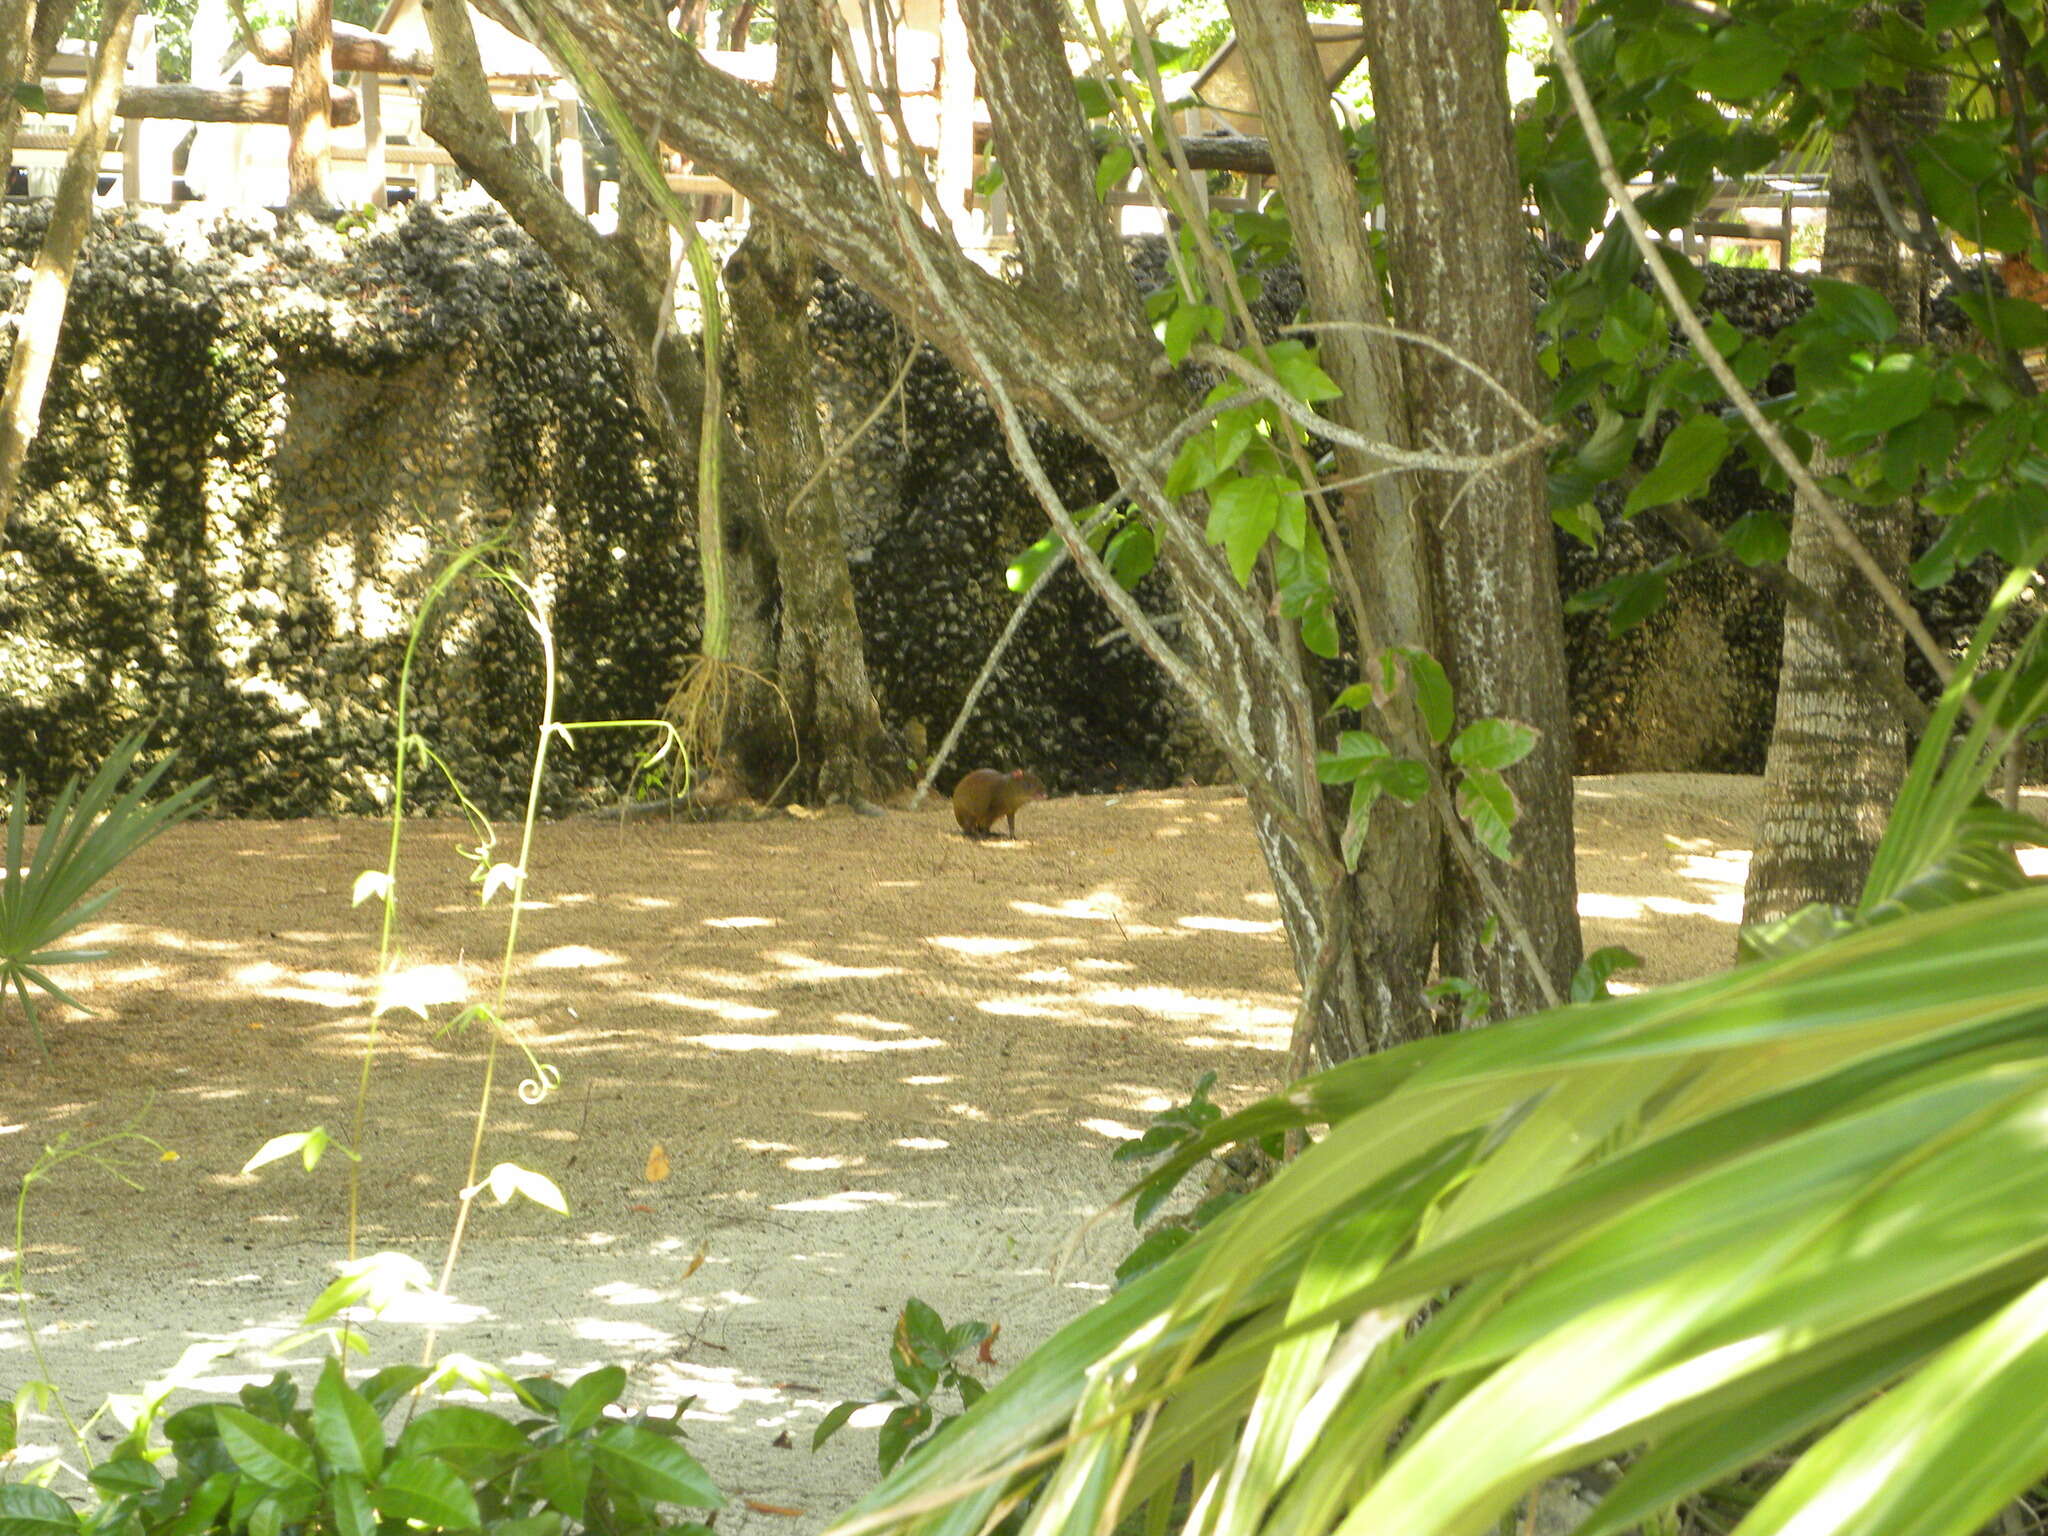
881 1061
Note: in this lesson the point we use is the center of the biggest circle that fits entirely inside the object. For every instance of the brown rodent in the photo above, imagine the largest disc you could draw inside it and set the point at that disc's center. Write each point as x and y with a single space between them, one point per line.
985 795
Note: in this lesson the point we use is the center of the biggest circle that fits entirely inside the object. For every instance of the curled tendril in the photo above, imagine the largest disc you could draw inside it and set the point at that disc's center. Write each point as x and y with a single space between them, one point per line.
546 1078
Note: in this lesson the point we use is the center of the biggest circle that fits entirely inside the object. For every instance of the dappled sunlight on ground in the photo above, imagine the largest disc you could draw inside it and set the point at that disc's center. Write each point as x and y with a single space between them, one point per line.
807 1070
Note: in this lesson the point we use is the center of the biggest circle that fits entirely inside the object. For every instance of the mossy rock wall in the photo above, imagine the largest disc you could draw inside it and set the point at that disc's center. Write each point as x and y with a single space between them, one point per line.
262 444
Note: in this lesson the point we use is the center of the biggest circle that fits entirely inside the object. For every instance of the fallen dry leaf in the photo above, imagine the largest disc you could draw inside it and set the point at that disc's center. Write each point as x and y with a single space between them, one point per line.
696 1262
657 1164
987 1353
769 1509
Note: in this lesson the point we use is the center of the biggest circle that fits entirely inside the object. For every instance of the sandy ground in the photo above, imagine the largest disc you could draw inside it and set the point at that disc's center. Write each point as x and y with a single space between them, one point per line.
879 1061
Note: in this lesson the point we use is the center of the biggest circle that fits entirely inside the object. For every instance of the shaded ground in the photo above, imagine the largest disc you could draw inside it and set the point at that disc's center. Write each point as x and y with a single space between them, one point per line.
880 1061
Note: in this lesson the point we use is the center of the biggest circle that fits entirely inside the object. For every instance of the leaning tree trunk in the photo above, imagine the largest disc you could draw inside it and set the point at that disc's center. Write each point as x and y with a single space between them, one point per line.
821 665
1070 340
49 287
28 36
1838 746
625 280
1459 260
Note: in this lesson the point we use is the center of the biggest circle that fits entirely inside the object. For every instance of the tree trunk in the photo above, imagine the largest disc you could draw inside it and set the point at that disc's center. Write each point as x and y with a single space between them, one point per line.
1069 340
49 289
308 163
625 280
1440 88
28 35
821 666
1388 543
1838 744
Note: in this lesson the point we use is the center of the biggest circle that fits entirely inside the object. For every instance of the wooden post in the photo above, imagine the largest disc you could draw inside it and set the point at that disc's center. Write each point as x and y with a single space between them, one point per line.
309 163
956 123
569 135
1785 234
145 141
370 86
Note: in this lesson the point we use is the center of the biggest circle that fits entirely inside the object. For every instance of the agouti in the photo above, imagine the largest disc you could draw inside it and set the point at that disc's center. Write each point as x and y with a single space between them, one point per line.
985 795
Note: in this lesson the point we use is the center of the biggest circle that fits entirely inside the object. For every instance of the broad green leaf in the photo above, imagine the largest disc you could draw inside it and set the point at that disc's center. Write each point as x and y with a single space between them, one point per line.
1185 325
1744 61
428 1492
26 1510
588 1397
1295 366
1492 744
635 1459
127 1473
1355 751
1686 462
345 1427
349 1498
1760 538
1242 514
371 885
1485 801
563 1473
456 1429
266 1454
509 1179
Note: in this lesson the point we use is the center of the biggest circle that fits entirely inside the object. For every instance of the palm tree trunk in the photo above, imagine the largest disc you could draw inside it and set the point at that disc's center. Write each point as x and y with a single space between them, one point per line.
1838 747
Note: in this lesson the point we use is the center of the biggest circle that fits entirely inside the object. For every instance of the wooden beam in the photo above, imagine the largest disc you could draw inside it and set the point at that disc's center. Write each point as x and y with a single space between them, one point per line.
199 104
354 48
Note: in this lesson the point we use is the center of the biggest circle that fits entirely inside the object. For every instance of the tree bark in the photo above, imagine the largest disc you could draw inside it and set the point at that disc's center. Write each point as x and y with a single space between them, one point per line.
354 48
28 35
1838 743
49 289
625 279
1460 270
1070 341
821 665
309 162
1388 543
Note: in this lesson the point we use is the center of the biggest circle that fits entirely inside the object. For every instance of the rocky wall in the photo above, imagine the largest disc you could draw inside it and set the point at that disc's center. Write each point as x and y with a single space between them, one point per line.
262 443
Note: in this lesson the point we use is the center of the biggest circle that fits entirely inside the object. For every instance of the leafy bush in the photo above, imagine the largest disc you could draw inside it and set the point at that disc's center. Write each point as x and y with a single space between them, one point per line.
925 1356
326 1469
86 837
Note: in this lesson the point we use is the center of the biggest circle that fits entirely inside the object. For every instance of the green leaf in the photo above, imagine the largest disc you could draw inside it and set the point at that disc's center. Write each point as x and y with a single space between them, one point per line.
26 1510
644 1463
1589 981
833 1422
588 1397
1097 99
1687 461
1406 779
348 1496
900 1430
266 1454
126 1473
1493 744
1110 171
563 1473
1295 366
1760 538
1485 801
1187 323
1131 554
1743 62
1851 309
1432 693
1242 514
427 1492
1356 751
345 1427
31 96
1581 521
456 1429
1025 572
